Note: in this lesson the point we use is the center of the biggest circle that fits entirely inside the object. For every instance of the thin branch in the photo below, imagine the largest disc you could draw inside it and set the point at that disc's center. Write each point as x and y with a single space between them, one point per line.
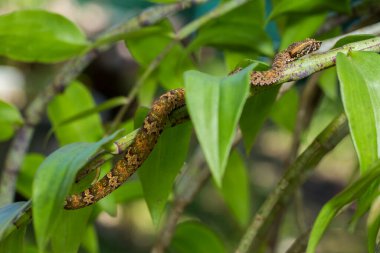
191 182
70 71
324 143
316 62
117 147
132 94
180 35
300 244
215 13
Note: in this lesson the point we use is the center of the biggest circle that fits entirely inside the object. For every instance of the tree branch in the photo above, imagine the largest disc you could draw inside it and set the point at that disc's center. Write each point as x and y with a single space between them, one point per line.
294 176
70 71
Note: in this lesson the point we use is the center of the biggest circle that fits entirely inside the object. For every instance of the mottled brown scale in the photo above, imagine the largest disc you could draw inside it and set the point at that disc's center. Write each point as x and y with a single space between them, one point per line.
293 52
136 153
157 118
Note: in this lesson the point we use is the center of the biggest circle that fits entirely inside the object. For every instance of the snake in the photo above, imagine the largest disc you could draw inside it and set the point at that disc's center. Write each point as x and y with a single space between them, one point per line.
155 122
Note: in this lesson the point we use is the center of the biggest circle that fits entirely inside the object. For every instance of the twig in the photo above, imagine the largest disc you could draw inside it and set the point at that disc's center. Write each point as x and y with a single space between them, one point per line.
181 34
132 94
300 244
304 67
117 147
325 142
217 12
191 182
70 71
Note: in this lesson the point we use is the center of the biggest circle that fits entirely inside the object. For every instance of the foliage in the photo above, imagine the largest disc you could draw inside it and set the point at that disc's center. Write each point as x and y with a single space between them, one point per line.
218 107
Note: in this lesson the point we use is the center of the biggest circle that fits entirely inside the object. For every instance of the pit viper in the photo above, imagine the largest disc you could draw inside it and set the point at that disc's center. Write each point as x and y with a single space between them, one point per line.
156 119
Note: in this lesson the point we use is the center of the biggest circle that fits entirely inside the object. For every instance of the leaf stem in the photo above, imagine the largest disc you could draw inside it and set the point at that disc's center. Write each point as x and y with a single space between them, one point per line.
294 176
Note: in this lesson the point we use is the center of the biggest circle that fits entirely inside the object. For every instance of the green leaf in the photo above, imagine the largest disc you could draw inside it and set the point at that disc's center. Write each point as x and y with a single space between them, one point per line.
300 27
236 183
215 105
109 104
10 118
53 181
308 6
171 67
255 112
284 111
76 99
353 38
38 35
331 208
158 172
328 83
10 212
69 233
191 236
246 38
90 240
28 169
14 243
361 99
146 92
373 224
129 191
249 37
326 111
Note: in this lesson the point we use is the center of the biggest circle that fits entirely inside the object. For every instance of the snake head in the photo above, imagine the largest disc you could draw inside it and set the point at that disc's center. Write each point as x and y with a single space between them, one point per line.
301 48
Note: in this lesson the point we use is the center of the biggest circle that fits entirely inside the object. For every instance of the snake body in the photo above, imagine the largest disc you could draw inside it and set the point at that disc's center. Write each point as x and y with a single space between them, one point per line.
155 122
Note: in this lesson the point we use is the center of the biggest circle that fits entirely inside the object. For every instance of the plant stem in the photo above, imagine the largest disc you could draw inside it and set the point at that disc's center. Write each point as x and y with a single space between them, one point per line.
69 72
215 13
304 67
181 34
294 176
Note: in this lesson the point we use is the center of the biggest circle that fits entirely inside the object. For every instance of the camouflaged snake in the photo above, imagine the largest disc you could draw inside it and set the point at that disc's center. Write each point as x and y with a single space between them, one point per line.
156 120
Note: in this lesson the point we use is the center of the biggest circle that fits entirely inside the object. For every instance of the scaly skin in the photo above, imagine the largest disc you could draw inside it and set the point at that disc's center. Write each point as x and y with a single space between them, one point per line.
293 52
156 120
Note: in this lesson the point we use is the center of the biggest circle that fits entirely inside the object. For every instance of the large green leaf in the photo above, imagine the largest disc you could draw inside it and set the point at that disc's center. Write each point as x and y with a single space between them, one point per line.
38 35
90 240
158 172
76 99
236 183
331 208
10 118
69 233
373 224
352 38
8 213
249 37
255 112
215 105
52 183
246 38
190 237
328 83
308 6
169 72
300 27
14 243
28 169
130 190
359 84
284 111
